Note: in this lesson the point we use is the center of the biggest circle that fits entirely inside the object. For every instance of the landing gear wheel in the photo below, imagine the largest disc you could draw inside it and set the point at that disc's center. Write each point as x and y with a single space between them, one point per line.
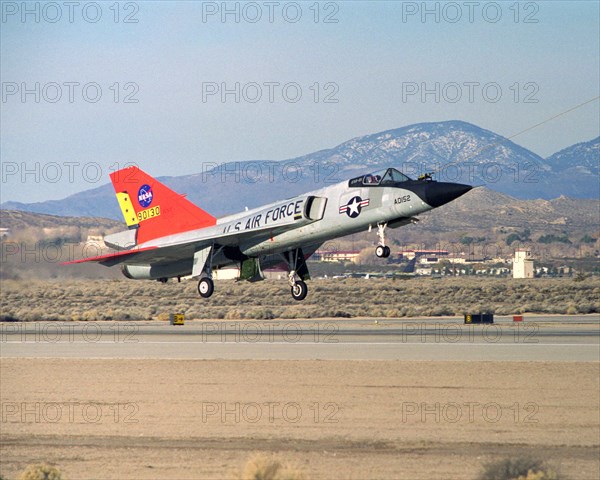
299 290
382 251
206 287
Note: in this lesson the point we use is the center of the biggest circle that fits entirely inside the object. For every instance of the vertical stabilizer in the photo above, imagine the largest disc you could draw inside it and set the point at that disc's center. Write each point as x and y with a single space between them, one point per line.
154 209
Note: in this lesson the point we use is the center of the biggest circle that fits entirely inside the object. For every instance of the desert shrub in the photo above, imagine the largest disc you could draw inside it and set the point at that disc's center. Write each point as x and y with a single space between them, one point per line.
440 311
341 314
550 475
128 300
586 308
40 472
313 312
523 468
504 310
233 314
370 312
291 312
261 314
265 467
218 313
91 315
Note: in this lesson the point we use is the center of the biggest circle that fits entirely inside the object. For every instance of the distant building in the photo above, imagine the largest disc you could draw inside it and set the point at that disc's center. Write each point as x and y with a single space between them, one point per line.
423 271
410 254
522 264
454 259
96 240
428 260
226 273
336 256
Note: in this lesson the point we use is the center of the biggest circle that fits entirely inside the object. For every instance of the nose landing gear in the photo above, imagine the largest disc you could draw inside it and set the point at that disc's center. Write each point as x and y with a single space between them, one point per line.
382 251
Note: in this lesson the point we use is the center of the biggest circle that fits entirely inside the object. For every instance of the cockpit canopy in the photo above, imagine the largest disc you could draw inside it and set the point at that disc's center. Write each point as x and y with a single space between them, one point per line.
389 176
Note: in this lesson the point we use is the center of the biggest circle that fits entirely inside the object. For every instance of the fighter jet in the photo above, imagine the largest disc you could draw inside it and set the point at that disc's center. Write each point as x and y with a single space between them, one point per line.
170 237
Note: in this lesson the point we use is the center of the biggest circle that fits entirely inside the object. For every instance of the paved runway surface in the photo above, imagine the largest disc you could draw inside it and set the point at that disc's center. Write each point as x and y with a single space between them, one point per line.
538 338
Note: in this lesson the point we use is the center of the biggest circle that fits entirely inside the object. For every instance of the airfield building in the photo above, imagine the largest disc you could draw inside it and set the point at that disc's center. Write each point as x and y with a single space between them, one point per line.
522 264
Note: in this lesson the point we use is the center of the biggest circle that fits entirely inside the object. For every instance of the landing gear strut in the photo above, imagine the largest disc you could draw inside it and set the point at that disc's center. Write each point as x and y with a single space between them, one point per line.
382 251
202 269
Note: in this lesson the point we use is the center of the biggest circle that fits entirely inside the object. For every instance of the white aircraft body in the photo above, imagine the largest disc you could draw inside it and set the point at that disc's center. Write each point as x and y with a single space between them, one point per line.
170 237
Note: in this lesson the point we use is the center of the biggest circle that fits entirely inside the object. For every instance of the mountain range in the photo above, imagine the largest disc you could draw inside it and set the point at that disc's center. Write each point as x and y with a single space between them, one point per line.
454 150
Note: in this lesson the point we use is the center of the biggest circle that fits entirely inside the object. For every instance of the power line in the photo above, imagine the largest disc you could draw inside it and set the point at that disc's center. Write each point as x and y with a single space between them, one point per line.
521 132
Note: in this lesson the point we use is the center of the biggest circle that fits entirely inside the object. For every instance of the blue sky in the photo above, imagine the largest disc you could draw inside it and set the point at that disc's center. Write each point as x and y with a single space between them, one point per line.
535 60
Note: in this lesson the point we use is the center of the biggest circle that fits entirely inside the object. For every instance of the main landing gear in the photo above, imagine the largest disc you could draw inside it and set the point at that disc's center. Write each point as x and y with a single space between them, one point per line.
298 273
382 251
250 270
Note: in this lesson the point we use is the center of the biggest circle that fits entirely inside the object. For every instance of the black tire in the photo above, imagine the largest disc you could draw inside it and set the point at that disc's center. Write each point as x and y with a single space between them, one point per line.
386 252
380 251
206 287
299 290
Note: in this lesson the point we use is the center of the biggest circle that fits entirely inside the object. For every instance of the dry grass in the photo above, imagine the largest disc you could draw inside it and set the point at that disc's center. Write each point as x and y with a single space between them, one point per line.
90 300
41 472
267 467
518 469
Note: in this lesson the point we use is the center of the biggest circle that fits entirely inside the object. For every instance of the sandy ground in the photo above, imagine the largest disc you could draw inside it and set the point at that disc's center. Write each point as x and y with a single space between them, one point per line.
146 419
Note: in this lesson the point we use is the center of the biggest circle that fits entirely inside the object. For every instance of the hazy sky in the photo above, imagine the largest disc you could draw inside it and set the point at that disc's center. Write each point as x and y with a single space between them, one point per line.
87 87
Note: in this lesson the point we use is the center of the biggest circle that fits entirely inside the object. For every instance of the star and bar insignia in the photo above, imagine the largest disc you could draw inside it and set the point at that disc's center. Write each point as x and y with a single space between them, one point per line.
354 206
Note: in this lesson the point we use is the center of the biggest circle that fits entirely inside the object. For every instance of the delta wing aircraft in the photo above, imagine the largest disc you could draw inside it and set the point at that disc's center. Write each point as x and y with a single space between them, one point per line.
170 237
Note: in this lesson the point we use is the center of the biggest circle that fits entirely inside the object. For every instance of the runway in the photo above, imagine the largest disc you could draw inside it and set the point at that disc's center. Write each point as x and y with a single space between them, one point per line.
551 338
413 401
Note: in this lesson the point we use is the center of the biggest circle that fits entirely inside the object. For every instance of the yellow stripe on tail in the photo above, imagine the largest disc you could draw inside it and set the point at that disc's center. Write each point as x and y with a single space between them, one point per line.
127 209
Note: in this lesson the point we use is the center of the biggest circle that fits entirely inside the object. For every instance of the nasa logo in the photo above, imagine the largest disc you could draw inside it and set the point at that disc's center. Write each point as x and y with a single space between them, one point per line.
354 206
145 196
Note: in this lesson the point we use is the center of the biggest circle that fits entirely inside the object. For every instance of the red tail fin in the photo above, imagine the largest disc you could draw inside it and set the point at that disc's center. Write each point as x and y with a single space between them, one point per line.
153 208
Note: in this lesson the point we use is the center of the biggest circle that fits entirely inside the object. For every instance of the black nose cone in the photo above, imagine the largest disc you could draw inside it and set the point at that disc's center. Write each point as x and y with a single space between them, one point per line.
440 193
